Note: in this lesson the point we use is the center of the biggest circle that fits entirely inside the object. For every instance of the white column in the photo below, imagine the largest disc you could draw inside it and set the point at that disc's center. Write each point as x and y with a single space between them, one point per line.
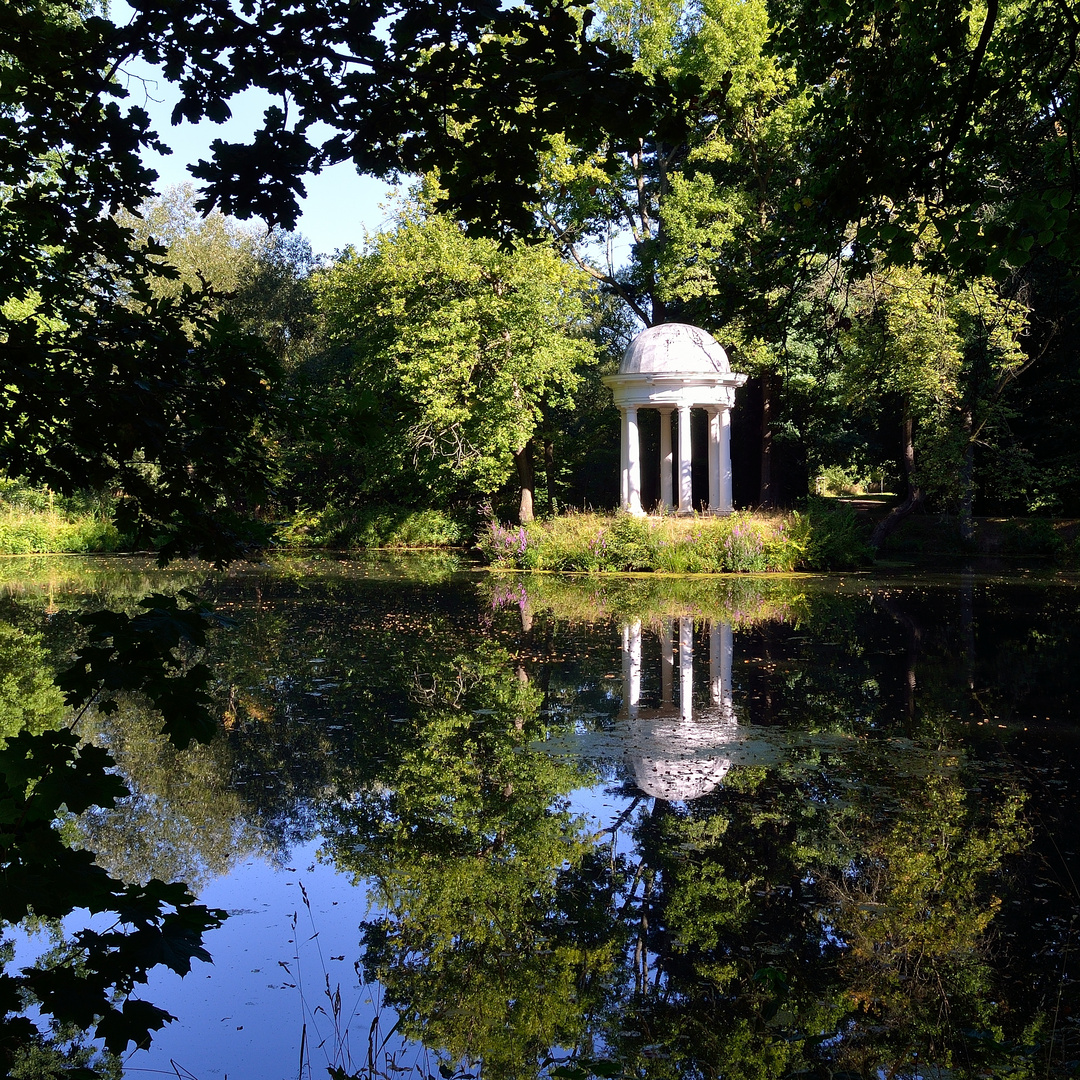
624 471
665 458
714 460
686 489
667 663
725 461
686 668
716 678
727 656
634 689
633 462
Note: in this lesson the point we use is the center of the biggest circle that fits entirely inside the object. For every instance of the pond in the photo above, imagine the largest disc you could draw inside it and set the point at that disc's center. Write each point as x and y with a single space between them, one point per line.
478 824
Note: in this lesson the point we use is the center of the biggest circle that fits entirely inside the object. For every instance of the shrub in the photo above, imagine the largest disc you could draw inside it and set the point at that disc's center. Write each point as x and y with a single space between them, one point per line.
32 532
1032 536
373 527
630 544
836 480
835 539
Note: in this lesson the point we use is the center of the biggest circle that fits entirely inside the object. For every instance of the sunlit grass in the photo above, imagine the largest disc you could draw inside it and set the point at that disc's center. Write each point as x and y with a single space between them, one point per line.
28 532
743 542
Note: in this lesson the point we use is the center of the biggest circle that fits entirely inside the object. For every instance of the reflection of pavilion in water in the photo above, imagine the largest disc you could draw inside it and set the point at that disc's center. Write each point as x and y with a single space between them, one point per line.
672 748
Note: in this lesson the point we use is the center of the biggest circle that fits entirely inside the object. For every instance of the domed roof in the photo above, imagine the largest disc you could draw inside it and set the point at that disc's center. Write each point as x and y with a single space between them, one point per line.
680 780
675 759
676 349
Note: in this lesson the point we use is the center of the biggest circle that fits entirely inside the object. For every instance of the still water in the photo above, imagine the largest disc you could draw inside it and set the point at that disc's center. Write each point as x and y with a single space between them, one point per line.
472 824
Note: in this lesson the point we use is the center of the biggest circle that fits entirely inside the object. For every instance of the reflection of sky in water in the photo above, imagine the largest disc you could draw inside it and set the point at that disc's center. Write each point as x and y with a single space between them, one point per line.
243 1015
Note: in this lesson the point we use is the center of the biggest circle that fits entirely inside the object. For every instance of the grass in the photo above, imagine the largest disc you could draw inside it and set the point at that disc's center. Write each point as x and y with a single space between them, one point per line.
25 532
822 538
36 521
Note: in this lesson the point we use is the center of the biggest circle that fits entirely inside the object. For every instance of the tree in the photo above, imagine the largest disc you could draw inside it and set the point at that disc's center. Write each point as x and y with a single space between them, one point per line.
946 351
108 381
258 277
208 249
924 114
460 347
700 189
98 393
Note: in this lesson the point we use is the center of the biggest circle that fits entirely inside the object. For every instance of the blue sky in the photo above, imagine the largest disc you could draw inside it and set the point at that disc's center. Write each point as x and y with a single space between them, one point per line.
339 206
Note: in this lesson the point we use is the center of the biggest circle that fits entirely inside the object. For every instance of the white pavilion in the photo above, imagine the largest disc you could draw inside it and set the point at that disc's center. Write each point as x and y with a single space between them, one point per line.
672 368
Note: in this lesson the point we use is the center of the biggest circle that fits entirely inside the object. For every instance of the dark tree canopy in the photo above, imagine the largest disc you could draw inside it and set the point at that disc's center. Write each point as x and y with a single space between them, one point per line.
967 113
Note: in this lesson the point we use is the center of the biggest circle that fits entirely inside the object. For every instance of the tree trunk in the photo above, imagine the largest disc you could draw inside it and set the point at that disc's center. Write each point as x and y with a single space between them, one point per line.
913 632
967 480
549 471
523 459
888 525
766 495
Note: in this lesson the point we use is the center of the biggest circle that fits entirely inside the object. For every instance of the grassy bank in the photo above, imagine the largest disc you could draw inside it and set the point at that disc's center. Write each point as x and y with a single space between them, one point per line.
822 538
35 521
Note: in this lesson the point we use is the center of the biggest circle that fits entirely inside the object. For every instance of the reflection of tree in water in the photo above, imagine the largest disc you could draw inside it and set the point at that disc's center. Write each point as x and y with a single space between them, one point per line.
494 941
829 914
832 913
780 939
183 819
311 686
29 699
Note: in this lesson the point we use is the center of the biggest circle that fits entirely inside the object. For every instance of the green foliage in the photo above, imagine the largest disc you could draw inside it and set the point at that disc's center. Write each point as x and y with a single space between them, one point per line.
835 538
62 1055
206 249
261 278
107 385
29 699
1034 536
27 531
968 118
375 526
739 543
183 820
86 982
946 349
40 874
448 351
37 520
148 653
742 601
706 174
